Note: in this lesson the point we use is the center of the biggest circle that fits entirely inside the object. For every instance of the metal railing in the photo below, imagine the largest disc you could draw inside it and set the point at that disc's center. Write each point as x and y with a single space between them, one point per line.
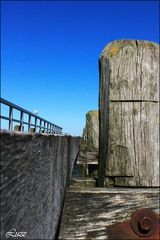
40 125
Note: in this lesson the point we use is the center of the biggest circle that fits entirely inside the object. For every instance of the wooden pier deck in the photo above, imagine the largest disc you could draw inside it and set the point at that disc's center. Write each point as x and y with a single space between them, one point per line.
87 213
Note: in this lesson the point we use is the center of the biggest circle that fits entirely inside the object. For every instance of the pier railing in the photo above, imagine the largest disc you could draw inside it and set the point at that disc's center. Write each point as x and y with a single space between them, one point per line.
33 122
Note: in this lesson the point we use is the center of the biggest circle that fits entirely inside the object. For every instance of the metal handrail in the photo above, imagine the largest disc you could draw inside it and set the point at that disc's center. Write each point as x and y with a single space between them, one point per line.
47 127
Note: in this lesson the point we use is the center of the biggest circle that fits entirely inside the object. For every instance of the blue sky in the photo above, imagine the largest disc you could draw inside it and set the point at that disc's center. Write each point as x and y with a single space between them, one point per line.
50 51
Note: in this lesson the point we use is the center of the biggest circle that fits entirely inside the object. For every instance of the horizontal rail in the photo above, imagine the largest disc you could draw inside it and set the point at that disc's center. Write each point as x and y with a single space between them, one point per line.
18 121
46 127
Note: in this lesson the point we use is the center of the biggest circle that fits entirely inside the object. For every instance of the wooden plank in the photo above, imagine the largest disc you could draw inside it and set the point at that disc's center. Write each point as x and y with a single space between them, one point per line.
88 156
82 183
87 213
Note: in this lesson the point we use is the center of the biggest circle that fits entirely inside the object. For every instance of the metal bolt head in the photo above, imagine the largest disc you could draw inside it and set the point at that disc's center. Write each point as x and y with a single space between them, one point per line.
145 223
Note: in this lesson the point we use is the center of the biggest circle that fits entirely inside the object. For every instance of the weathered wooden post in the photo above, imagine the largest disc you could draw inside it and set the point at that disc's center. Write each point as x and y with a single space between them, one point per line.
88 154
129 151
129 114
91 131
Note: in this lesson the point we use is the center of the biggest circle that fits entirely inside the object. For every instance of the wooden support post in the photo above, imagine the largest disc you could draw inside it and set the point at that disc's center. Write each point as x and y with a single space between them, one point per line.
129 113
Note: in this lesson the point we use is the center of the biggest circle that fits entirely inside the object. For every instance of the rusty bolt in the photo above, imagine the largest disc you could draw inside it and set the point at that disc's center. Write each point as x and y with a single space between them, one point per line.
145 223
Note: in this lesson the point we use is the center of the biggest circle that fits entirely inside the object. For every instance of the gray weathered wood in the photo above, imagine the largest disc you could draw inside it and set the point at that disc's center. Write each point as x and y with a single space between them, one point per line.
88 213
134 70
91 131
134 142
129 148
88 153
88 156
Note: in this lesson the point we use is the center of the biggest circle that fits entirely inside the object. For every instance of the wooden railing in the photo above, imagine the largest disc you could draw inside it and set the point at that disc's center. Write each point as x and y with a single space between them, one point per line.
34 123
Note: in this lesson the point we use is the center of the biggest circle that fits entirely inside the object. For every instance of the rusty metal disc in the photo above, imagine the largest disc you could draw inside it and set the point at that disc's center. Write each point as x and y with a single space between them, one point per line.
144 222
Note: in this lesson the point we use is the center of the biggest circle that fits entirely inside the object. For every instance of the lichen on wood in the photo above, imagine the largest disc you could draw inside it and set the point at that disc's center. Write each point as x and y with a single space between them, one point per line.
134 70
